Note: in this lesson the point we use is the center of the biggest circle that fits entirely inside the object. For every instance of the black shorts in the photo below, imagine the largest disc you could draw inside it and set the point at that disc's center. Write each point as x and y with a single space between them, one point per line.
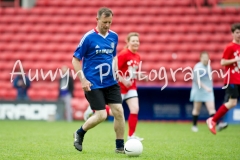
98 98
232 91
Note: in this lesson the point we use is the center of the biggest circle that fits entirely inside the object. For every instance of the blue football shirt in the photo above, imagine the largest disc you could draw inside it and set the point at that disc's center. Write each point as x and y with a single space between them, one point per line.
97 53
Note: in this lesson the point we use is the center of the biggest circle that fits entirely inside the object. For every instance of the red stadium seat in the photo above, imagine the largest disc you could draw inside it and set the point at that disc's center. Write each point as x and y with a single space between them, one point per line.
80 103
194 56
79 93
231 10
217 11
78 114
166 56
6 85
52 95
5 76
11 94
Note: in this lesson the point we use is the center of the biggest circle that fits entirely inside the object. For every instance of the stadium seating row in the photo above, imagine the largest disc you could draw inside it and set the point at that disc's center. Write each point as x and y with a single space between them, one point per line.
145 47
96 3
65 11
121 19
71 33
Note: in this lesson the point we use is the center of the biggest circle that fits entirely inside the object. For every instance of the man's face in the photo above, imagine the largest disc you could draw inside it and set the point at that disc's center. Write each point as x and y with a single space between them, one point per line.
104 23
236 35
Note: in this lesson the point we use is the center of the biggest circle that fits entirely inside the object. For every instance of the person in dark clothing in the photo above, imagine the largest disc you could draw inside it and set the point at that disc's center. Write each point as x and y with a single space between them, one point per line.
66 88
22 84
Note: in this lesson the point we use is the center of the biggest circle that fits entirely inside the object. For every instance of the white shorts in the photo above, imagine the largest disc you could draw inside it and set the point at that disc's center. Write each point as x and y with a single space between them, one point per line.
130 94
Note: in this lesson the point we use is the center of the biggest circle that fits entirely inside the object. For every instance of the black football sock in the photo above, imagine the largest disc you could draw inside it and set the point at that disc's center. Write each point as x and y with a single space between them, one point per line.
119 143
81 132
195 119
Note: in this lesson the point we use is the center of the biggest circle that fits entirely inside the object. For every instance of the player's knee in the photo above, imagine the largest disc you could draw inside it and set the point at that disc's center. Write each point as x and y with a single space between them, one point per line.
118 112
119 109
102 115
134 110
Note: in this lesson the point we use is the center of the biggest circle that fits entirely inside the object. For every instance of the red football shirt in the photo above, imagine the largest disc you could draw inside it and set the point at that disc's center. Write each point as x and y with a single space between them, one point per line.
128 65
232 51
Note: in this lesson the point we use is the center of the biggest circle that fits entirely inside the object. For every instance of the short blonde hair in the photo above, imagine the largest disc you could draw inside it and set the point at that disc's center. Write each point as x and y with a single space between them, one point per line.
131 34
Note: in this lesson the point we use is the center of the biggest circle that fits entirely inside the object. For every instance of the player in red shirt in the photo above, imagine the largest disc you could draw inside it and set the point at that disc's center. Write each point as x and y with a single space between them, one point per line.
231 61
128 63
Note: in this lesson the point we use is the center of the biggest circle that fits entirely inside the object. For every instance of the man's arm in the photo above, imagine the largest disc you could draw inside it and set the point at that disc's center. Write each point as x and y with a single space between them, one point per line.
78 69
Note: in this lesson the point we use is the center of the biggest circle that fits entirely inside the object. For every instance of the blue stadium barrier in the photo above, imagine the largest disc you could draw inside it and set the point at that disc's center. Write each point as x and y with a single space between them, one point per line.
169 104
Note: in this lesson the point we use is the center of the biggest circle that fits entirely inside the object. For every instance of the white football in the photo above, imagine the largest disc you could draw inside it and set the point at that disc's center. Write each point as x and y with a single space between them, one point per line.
133 147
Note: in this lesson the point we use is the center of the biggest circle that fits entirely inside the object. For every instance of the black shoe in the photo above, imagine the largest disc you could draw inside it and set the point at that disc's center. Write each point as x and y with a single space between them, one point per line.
120 150
221 126
77 141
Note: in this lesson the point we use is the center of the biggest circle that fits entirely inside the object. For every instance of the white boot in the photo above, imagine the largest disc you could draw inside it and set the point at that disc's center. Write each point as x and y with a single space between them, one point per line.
88 113
135 137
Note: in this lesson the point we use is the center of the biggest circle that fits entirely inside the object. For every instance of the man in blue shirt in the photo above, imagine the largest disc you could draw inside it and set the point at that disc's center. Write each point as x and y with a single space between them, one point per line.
97 52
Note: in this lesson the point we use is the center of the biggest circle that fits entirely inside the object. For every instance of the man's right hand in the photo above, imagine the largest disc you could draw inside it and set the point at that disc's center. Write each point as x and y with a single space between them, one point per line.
86 85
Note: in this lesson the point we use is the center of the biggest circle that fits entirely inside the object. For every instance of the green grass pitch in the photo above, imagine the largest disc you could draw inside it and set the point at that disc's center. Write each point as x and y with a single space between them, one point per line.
39 140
